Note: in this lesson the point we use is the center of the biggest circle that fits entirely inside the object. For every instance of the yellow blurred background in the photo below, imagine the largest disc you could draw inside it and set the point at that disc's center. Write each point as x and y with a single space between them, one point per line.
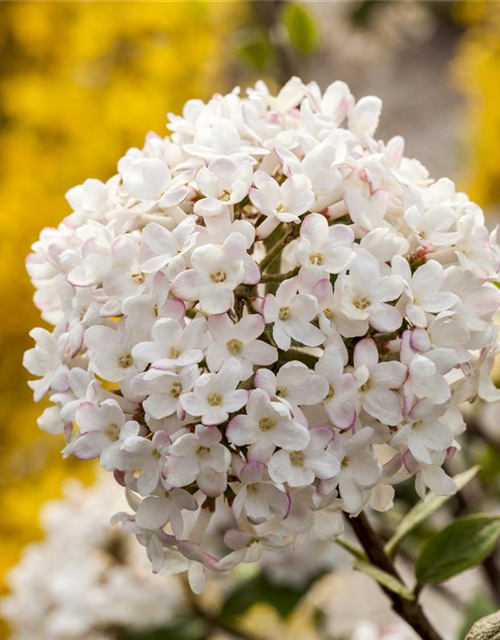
80 82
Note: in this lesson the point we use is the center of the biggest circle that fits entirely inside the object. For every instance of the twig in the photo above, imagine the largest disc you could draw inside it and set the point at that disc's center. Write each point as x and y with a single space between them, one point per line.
275 251
409 610
279 277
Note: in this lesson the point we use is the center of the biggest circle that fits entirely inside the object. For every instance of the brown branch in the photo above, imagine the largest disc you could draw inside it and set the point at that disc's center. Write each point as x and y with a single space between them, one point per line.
409 610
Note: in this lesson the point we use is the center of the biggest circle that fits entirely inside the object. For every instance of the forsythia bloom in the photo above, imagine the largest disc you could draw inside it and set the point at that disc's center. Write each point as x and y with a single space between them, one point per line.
254 319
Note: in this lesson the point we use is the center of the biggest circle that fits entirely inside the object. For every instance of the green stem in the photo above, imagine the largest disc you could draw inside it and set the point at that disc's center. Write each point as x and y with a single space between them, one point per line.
278 277
274 252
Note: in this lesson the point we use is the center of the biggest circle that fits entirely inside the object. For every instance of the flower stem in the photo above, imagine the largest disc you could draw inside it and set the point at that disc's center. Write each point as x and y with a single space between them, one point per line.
279 277
274 252
409 610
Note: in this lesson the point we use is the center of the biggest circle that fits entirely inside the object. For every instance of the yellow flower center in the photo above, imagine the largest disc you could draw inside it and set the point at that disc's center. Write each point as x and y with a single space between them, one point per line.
234 346
266 424
214 399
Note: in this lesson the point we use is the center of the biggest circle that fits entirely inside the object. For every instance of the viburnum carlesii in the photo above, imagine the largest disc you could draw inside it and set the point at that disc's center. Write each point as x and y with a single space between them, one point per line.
269 310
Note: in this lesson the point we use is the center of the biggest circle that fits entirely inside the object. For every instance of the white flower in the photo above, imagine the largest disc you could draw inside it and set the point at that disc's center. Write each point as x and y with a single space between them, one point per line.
359 468
103 429
272 271
149 180
423 431
163 390
248 547
299 467
217 271
265 426
295 384
224 182
199 457
364 293
169 247
258 497
367 213
340 402
280 203
238 341
376 379
423 289
324 248
45 360
215 395
173 345
432 226
291 313
165 506
146 455
111 352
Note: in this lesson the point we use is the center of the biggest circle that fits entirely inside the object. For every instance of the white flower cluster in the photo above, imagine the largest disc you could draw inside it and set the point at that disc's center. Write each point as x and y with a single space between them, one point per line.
88 580
268 309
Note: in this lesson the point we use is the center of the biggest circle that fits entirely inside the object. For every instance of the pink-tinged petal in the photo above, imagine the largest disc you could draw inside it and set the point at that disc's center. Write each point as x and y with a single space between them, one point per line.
194 405
291 435
261 451
385 318
177 473
259 352
279 466
265 380
439 301
323 464
417 446
304 332
388 288
341 413
187 285
366 469
281 337
149 477
221 327
153 512
321 436
88 446
212 483
235 400
252 472
242 430
366 354
217 299
390 375
250 327
383 405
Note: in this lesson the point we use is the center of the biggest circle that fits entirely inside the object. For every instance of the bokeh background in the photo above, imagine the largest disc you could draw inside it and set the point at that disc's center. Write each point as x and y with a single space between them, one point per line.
80 82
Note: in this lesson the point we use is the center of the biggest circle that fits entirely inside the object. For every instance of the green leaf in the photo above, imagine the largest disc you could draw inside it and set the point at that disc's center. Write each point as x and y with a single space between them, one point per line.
350 547
422 510
179 629
255 50
458 547
300 26
259 588
383 578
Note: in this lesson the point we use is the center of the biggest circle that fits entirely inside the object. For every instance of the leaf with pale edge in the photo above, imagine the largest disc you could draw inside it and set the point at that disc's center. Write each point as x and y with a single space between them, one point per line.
383 578
458 547
424 509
